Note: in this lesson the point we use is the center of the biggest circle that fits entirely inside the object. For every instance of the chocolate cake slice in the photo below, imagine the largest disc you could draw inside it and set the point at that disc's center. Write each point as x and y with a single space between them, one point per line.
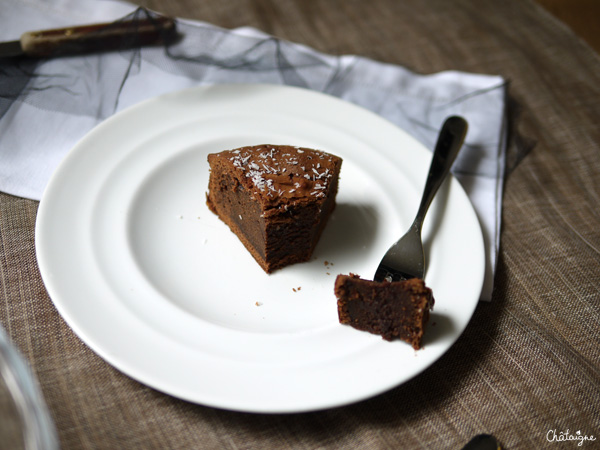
398 309
275 198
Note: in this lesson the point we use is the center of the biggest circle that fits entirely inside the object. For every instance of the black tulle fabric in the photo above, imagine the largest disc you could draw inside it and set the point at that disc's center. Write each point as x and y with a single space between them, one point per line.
87 85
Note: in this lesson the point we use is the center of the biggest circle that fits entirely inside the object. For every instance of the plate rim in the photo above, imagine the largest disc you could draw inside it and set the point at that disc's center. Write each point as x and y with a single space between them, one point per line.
54 184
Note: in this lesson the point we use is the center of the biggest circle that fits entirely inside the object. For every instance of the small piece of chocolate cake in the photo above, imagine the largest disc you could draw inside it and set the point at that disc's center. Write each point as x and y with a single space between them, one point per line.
275 198
399 309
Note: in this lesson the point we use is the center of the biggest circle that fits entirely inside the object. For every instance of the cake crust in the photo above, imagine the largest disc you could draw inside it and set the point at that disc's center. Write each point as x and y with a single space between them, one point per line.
393 310
275 198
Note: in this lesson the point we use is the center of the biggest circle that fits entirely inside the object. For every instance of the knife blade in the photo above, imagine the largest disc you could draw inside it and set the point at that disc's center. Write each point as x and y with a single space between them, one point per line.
92 38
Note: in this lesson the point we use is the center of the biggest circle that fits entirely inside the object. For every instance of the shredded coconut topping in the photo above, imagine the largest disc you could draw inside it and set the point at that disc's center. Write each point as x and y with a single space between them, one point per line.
274 170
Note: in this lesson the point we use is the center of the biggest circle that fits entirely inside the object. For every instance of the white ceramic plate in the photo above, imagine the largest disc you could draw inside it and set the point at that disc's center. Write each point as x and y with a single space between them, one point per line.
161 289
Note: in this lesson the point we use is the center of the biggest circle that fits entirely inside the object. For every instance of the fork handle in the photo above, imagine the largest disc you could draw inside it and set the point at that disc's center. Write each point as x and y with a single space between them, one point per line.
450 140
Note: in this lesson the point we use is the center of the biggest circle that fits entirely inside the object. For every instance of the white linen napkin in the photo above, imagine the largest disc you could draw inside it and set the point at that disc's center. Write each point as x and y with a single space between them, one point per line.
68 97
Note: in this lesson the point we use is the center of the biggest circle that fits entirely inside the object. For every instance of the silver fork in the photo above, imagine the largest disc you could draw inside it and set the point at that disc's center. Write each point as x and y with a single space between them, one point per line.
406 259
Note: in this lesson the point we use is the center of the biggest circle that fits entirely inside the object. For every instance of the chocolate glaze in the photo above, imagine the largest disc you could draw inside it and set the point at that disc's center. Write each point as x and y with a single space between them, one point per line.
276 174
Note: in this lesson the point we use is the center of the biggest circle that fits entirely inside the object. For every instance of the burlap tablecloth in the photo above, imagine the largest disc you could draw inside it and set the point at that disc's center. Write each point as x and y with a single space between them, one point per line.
527 369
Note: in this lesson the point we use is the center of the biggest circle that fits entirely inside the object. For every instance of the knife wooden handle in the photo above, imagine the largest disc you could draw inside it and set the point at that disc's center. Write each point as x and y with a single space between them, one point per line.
97 37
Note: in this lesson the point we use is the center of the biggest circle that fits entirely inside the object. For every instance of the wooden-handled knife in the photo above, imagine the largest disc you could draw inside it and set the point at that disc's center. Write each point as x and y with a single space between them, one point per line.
91 38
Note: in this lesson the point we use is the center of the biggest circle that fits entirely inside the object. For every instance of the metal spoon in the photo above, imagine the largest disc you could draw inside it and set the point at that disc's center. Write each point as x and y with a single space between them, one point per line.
405 259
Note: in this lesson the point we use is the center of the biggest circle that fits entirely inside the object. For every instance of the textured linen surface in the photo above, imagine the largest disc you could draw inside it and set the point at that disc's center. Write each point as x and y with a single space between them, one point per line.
527 367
